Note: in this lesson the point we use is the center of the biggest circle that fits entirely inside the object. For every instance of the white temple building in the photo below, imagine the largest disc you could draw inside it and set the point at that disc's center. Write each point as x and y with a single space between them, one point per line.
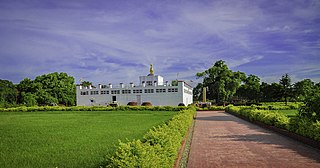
151 89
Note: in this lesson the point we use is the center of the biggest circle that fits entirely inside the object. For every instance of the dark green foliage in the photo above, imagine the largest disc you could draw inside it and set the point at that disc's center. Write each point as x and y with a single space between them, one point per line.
250 90
222 83
299 125
86 83
158 148
132 104
181 104
285 82
211 108
146 104
303 89
93 108
174 83
197 92
28 99
54 88
312 108
268 117
270 92
305 127
8 93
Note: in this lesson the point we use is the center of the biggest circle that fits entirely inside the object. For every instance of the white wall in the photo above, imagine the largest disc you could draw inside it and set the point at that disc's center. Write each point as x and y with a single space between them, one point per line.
157 99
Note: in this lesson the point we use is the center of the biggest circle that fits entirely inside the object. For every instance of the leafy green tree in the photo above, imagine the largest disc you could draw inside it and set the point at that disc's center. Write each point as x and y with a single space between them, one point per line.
270 92
48 89
58 87
197 92
86 83
285 82
28 99
311 109
250 90
28 86
222 83
8 93
303 88
174 83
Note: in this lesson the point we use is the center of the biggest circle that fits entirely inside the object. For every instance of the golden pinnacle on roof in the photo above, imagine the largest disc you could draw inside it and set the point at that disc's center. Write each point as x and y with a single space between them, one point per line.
151 70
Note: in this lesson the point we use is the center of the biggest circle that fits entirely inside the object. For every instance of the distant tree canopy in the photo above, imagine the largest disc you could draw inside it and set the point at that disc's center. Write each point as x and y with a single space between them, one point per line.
225 85
8 93
222 83
53 88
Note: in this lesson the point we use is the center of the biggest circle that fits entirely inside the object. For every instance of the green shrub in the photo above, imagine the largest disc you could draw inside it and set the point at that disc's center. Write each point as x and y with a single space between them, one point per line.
268 117
132 103
158 148
305 127
211 108
146 104
92 108
299 125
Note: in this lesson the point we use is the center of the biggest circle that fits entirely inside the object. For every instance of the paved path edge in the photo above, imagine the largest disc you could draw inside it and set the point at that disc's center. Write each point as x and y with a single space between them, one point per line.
183 155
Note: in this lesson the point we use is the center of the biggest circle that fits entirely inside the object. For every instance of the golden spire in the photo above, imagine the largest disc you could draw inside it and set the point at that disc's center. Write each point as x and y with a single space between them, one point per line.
151 70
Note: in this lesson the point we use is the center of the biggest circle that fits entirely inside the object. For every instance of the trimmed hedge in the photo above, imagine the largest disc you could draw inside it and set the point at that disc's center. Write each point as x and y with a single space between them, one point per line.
93 108
158 148
211 108
146 104
268 117
305 127
298 125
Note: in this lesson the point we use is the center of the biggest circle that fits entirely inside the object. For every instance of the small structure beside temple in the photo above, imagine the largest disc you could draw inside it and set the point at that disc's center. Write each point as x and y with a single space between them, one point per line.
151 88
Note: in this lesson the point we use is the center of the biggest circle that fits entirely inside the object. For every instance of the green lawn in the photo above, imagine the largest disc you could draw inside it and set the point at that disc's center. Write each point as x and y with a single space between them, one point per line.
69 139
289 113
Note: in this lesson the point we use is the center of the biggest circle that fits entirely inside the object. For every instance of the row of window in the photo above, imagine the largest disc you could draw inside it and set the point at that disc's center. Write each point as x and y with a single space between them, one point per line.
173 90
129 91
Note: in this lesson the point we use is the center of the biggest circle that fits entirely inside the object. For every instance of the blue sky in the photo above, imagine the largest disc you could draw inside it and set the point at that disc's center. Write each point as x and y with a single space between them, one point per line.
114 41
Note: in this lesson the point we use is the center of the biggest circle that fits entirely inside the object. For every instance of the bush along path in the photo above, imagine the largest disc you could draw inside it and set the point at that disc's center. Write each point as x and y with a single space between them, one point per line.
223 140
299 125
158 148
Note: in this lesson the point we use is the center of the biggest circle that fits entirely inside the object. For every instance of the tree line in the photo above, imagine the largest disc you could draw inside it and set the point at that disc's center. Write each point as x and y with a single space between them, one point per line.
48 89
224 85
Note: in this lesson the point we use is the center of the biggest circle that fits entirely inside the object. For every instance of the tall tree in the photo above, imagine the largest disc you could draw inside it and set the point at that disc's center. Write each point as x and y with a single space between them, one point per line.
270 92
197 92
221 82
285 82
302 89
250 90
8 93
47 89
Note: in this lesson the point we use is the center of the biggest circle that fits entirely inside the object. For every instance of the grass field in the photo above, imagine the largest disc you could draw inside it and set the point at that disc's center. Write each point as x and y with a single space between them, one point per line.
69 139
289 113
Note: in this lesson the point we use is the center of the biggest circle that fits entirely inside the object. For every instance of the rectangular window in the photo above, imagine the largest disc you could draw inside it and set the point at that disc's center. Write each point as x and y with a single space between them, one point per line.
115 91
137 91
84 93
160 90
148 90
94 92
149 83
104 92
103 86
172 89
126 91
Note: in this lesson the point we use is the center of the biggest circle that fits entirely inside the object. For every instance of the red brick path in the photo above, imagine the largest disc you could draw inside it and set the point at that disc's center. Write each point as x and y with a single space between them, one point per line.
222 140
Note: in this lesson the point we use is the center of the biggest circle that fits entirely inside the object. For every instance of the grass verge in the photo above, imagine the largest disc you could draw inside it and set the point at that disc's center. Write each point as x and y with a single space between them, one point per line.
69 139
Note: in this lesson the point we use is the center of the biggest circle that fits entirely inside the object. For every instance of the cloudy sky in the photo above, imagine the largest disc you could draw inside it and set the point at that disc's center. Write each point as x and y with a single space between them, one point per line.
114 41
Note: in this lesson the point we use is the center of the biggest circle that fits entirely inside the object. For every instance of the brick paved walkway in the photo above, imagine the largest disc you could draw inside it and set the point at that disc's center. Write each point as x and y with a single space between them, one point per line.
222 140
